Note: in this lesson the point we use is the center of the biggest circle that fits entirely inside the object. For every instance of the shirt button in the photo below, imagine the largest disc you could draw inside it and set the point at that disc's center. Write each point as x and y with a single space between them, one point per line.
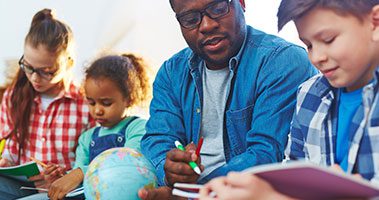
198 110
43 139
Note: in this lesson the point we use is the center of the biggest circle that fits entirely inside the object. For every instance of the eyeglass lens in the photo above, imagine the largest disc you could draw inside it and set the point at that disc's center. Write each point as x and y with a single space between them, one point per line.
214 11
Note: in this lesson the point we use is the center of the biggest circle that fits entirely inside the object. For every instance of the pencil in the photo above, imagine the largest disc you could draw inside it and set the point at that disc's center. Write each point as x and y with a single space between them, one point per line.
2 146
39 162
199 144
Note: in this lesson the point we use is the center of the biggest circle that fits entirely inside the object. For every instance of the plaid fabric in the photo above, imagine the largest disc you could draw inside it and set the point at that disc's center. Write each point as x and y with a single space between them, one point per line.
53 133
314 127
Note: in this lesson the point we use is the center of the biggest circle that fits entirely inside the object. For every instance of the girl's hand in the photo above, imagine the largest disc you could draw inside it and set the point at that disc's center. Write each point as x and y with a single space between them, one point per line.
53 172
65 184
46 178
5 162
39 181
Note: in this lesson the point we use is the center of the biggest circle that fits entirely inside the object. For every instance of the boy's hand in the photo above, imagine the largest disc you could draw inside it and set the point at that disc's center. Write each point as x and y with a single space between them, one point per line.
242 186
64 185
336 167
177 168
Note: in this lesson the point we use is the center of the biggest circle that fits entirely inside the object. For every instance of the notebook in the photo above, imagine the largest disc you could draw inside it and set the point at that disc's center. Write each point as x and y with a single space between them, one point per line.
27 169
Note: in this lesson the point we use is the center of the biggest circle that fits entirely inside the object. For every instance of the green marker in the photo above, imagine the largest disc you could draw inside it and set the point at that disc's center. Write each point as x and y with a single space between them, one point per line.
192 164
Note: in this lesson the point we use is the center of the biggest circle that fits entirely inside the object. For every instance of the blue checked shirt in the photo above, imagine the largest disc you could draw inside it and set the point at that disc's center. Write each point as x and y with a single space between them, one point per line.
314 128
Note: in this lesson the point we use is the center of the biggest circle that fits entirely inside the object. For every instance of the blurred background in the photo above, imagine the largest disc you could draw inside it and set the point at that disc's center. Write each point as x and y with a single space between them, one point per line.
145 27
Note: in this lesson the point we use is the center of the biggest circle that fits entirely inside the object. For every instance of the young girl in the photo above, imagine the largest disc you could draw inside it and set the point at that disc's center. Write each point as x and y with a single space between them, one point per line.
42 113
113 85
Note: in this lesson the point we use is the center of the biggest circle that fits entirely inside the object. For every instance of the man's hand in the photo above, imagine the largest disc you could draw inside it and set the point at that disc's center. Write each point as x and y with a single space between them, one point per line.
155 193
158 194
177 168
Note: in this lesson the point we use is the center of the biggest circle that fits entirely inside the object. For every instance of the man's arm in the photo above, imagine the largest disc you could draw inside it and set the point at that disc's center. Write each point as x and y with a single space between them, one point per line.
165 124
277 84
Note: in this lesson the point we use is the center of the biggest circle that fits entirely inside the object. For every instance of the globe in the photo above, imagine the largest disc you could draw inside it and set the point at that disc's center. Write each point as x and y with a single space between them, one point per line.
118 173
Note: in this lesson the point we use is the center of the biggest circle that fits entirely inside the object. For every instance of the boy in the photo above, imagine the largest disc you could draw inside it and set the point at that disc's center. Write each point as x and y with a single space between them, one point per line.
336 121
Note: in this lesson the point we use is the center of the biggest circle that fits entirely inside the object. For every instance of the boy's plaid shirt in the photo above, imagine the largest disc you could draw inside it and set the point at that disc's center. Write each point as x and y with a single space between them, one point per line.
314 127
53 133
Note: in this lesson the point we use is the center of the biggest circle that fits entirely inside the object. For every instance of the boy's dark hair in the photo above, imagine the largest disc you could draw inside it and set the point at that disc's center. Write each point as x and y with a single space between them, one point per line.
294 9
128 72
172 4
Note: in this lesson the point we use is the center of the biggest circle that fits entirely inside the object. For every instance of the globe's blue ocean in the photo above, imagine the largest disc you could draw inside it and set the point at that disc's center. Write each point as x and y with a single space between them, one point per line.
117 174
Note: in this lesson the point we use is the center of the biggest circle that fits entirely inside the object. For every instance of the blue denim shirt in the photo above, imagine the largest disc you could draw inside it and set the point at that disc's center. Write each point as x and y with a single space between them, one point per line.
265 76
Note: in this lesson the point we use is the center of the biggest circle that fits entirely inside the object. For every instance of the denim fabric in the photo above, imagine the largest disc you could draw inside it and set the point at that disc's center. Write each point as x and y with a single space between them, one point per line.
105 142
266 74
10 187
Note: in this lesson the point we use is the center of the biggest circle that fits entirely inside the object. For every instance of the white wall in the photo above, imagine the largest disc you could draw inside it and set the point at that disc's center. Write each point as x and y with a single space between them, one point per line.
262 15
147 27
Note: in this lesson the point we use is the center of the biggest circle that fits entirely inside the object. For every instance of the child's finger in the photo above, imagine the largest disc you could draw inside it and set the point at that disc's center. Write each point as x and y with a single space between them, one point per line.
49 170
51 166
61 171
4 162
54 167
38 177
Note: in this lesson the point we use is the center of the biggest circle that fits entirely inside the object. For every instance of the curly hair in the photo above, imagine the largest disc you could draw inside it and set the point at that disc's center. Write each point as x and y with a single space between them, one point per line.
129 72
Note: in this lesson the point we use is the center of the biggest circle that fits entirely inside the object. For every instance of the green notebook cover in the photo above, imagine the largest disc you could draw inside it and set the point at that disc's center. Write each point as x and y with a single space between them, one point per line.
27 169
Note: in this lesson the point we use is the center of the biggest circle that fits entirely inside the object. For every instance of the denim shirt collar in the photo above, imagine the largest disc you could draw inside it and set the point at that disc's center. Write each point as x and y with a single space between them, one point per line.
195 60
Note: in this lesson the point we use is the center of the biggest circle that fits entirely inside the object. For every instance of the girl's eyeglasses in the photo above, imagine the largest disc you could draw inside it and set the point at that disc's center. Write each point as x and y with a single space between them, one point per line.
44 72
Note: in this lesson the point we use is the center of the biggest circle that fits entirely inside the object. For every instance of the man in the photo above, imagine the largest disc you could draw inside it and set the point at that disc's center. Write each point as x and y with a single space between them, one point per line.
235 86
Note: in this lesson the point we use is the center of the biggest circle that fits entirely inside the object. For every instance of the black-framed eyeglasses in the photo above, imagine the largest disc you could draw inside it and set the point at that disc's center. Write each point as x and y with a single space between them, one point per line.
44 72
192 19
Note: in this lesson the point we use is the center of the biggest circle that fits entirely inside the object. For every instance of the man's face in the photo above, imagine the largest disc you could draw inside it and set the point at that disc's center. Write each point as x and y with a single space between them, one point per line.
215 40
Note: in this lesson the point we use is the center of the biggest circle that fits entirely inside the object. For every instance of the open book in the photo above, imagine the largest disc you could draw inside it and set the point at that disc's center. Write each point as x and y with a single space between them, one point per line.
27 169
305 180
301 180
73 193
